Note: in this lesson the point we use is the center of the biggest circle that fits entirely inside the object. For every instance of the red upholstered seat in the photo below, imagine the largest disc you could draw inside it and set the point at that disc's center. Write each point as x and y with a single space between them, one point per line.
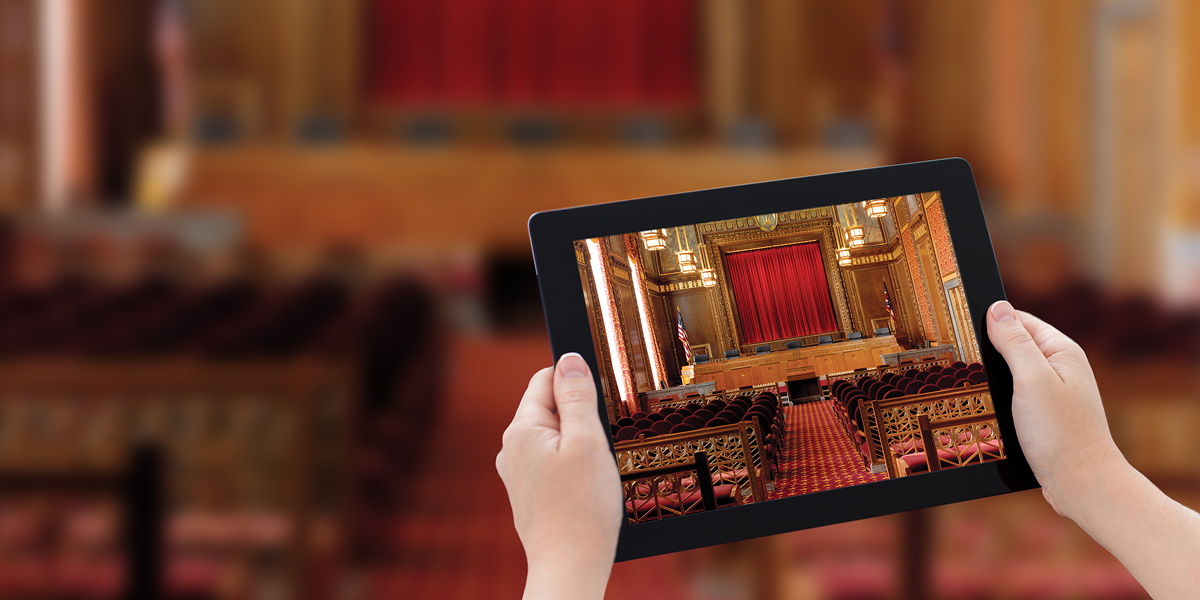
662 427
916 461
613 428
624 421
643 423
647 433
964 382
627 433
958 364
974 367
716 422
674 418
681 427
977 377
656 416
912 373
892 393
641 414
945 383
704 413
934 368
695 422
927 388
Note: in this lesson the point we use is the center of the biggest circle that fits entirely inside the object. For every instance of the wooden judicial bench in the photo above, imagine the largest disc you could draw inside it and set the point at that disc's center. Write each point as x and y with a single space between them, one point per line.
799 363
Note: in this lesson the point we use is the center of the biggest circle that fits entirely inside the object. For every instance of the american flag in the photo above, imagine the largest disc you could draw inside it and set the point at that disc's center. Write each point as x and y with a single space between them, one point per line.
687 346
887 301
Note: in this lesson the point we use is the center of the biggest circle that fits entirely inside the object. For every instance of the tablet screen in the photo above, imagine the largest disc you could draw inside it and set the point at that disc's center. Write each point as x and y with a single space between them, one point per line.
768 356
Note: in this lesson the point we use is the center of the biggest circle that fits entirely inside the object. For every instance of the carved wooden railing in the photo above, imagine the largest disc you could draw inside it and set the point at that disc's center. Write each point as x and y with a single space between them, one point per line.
877 372
894 423
950 443
669 491
751 392
734 454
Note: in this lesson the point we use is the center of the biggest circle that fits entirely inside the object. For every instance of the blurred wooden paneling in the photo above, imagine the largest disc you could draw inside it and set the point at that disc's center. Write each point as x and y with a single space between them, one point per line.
19 115
385 196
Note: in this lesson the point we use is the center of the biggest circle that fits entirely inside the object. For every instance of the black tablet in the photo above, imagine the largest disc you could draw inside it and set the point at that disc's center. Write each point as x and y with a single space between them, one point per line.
787 354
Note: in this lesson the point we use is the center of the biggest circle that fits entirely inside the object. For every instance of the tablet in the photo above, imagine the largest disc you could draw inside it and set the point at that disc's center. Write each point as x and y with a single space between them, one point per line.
787 354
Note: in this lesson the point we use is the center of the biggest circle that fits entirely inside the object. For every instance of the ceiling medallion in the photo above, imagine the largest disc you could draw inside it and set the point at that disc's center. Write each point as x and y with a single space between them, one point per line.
767 222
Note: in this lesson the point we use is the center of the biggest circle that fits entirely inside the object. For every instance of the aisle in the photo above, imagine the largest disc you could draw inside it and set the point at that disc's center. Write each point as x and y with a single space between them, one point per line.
816 454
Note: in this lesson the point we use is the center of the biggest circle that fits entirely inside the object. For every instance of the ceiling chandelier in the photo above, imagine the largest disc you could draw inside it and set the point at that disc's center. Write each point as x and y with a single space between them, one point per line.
856 235
708 275
687 258
843 253
877 208
655 239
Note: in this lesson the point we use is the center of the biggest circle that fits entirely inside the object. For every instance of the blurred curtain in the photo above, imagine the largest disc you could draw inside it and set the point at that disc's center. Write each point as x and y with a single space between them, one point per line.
781 292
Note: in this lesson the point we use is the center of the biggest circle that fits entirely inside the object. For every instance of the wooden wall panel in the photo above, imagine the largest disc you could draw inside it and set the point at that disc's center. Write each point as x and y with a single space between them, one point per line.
639 361
868 284
662 316
696 307
937 296
19 145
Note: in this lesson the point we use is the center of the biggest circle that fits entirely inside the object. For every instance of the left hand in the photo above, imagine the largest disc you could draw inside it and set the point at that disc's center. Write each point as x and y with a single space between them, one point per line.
563 484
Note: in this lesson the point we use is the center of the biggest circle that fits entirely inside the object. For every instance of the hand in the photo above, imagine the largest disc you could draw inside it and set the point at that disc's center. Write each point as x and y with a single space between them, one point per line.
1061 423
563 484
1056 406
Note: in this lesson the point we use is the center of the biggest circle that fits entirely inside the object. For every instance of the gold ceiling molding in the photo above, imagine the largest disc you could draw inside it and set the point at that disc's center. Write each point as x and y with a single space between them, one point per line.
809 214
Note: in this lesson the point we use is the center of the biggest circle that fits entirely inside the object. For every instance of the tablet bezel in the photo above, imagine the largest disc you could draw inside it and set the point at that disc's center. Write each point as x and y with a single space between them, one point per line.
553 234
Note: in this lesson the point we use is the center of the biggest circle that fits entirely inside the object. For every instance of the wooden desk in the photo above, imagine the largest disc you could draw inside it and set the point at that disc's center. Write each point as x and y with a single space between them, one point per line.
801 363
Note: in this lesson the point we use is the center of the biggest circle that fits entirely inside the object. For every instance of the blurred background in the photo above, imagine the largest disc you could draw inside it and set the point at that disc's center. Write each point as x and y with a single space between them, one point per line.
279 247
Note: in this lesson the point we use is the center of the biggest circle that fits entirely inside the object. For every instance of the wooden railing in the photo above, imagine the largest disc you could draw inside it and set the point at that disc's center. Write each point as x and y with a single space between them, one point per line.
734 454
751 392
653 494
877 372
895 422
964 440
268 436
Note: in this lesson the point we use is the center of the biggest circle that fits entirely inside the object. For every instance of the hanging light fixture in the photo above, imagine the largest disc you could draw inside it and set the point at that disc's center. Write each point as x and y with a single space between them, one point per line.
687 258
708 275
655 239
856 235
843 253
876 208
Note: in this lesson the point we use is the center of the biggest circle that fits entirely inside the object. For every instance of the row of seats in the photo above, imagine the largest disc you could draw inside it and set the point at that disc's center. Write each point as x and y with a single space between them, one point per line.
916 381
160 316
794 344
849 398
678 497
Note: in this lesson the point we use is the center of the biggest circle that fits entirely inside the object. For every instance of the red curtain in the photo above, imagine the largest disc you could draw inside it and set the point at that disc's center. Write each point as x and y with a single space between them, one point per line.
781 292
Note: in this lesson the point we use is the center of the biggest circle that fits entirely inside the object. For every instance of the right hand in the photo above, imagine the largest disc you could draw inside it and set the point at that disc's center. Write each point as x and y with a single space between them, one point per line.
1056 406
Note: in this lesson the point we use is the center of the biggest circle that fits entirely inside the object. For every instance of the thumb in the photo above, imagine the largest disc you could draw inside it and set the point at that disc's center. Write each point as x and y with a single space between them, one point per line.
575 397
1015 344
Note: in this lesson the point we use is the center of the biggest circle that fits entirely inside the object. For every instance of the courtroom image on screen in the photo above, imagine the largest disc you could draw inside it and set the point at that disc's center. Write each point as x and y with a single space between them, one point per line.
769 356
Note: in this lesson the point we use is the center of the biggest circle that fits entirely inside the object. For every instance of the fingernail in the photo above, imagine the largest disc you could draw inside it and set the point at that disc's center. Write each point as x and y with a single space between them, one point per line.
1002 311
572 365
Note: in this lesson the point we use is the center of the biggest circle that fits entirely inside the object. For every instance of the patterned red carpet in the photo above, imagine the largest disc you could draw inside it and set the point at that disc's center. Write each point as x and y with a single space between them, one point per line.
816 454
